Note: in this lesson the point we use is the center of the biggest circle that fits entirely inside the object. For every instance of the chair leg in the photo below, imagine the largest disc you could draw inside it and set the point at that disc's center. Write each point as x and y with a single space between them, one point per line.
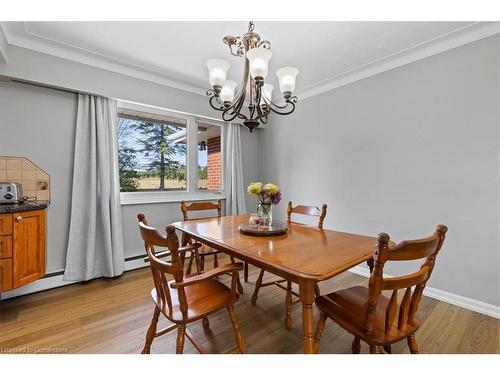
240 341
356 345
320 326
388 349
258 283
181 332
375 349
190 264
412 344
216 262
245 272
202 262
205 323
317 291
238 282
150 335
288 305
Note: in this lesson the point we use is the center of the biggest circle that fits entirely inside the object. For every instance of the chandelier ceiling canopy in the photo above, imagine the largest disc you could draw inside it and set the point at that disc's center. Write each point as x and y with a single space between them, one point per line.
253 93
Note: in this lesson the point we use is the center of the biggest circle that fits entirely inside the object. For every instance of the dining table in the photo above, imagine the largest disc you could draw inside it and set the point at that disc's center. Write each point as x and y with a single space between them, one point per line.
305 255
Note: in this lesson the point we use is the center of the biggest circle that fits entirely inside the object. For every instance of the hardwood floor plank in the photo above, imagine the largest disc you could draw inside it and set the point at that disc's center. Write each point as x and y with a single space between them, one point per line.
112 316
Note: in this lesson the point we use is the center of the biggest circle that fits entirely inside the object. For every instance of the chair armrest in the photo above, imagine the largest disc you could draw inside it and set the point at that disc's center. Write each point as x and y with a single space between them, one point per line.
182 249
189 247
158 255
227 268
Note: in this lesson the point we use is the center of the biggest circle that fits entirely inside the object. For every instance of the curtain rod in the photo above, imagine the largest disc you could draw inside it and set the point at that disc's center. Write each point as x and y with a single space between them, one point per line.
47 86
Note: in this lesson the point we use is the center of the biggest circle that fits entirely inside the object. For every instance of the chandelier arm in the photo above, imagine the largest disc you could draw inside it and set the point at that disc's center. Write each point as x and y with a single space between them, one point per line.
291 100
216 99
280 109
236 111
228 119
238 104
264 44
229 115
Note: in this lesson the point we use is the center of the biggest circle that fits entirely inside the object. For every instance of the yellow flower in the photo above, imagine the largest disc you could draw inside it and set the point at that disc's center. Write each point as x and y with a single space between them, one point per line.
255 188
271 188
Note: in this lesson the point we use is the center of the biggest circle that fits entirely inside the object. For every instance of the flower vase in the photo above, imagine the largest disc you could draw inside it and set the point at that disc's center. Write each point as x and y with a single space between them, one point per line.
264 212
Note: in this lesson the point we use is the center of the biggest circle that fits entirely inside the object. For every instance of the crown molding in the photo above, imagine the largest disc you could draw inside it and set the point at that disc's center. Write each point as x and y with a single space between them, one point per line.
19 35
457 38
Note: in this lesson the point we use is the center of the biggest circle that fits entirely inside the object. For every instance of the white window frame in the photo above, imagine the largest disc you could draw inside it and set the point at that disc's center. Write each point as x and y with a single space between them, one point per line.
222 149
191 193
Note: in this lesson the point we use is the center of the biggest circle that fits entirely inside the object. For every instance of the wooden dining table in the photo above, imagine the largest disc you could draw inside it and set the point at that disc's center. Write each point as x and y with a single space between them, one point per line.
305 255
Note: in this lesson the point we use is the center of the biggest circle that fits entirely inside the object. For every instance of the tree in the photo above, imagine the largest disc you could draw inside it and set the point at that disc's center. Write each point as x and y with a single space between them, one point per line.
127 158
158 150
202 173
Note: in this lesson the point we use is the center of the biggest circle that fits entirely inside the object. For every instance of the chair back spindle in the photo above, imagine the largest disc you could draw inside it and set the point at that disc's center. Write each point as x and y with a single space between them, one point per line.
413 284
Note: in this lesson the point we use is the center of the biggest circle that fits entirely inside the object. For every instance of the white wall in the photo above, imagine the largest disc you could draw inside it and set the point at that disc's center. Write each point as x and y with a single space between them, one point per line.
39 123
401 152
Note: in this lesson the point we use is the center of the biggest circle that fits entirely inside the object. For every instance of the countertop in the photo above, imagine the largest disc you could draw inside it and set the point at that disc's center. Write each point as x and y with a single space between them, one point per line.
19 207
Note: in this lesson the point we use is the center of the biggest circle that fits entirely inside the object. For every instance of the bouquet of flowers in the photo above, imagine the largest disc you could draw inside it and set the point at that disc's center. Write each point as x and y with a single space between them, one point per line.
267 195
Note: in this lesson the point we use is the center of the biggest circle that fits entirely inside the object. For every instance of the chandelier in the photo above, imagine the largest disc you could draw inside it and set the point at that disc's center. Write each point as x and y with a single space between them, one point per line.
253 92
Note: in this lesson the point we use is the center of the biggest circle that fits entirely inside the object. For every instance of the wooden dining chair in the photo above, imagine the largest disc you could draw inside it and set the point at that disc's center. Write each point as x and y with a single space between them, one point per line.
202 249
367 313
302 210
184 300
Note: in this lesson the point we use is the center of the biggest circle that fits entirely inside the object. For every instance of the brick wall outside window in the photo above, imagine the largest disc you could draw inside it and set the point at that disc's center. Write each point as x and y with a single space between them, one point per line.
214 164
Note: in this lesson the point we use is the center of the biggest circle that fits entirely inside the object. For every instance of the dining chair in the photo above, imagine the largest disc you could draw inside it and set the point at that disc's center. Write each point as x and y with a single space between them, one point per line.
184 300
368 314
203 250
301 210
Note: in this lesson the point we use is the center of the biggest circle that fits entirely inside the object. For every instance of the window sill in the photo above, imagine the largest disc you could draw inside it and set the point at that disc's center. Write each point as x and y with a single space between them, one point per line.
152 197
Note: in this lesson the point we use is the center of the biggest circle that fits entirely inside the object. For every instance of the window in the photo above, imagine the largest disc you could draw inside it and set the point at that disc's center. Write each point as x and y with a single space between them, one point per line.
167 156
151 152
209 157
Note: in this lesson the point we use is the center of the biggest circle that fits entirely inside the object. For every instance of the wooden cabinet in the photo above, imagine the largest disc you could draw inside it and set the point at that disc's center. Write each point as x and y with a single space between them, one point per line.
22 248
5 274
5 247
5 224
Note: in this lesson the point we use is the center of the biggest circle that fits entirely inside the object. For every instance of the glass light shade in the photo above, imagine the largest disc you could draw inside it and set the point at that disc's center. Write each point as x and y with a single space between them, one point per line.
267 91
217 70
259 61
287 77
227 91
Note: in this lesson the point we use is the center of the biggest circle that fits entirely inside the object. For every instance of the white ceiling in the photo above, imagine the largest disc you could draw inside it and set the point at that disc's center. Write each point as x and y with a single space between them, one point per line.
178 50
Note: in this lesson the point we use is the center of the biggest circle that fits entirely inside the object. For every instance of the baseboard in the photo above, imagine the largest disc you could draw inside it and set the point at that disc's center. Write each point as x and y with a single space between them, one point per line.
441 295
57 281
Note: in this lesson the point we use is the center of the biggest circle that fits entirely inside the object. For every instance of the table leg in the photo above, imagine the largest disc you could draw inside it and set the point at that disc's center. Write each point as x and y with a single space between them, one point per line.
306 292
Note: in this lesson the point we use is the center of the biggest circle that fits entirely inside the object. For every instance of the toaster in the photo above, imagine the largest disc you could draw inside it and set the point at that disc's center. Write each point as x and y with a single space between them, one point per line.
11 192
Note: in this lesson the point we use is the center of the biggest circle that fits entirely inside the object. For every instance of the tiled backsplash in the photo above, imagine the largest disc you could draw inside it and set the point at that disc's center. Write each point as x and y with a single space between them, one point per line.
35 182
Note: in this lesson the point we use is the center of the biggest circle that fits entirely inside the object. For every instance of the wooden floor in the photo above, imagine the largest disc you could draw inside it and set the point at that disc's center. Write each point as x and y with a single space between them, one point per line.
112 316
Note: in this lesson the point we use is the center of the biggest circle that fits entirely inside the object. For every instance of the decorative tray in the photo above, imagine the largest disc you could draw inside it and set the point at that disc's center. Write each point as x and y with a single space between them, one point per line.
275 229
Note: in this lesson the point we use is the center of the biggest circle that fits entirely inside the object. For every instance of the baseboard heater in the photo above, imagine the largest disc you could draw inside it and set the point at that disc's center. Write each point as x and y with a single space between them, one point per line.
55 279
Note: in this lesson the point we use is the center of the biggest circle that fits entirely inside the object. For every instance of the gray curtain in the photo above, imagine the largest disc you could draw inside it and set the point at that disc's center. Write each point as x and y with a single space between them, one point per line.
95 245
234 188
